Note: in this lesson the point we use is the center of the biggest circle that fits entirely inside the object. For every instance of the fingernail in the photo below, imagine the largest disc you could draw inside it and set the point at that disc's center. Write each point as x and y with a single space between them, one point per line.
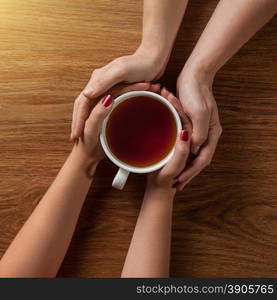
196 150
184 135
107 100
88 91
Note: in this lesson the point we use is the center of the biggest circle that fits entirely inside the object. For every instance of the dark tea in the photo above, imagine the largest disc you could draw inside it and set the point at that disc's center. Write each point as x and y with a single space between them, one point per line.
141 131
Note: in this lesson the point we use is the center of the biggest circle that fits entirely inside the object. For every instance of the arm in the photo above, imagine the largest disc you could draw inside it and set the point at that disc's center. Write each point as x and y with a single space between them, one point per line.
149 251
231 25
161 20
40 246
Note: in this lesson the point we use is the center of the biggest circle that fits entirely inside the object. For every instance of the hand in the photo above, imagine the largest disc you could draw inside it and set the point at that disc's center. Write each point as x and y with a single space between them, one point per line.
89 143
141 66
166 178
199 105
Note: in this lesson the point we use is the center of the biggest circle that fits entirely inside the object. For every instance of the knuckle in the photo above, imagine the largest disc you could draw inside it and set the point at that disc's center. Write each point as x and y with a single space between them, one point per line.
98 81
220 130
208 162
200 139
205 161
78 100
98 114
201 112
122 66
182 150
95 73
210 107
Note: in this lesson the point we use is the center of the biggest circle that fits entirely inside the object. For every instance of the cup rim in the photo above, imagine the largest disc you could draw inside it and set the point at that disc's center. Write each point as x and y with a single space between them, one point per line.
116 160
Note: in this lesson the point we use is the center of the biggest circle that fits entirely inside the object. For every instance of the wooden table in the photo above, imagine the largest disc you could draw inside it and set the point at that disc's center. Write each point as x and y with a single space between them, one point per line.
225 221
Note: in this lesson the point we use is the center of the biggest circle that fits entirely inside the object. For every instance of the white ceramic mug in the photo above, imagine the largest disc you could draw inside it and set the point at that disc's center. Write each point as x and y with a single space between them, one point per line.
125 169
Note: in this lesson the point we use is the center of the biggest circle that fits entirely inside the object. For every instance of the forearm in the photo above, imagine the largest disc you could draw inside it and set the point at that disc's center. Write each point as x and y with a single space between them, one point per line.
149 251
232 24
40 246
161 20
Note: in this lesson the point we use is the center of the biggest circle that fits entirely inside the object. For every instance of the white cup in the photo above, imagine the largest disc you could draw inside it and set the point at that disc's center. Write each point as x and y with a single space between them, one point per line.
125 169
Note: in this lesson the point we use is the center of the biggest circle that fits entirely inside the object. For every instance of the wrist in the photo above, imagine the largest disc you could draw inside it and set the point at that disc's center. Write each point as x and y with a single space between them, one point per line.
155 53
84 160
162 191
196 69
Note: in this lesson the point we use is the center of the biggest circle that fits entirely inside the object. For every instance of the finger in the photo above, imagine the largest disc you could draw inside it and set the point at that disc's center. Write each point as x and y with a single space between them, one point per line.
74 115
155 88
177 105
103 79
164 93
179 159
98 114
81 113
203 159
180 186
141 86
173 100
200 125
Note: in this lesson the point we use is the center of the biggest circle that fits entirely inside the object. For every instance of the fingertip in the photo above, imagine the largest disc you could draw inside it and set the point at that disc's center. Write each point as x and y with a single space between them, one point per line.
171 97
184 135
156 87
89 92
165 92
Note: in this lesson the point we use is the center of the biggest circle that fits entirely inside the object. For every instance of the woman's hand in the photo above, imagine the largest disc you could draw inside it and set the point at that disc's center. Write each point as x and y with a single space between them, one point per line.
166 178
141 66
88 145
199 105
231 25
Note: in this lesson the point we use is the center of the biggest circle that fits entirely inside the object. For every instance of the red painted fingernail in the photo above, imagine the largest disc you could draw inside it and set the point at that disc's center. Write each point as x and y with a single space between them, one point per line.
184 135
107 100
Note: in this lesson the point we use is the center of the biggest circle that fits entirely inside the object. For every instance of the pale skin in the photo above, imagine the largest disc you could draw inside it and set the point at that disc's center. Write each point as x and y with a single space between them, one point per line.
149 251
41 244
232 24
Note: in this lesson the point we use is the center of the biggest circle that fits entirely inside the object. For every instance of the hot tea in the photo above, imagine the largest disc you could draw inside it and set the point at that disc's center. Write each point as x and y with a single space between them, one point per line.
141 131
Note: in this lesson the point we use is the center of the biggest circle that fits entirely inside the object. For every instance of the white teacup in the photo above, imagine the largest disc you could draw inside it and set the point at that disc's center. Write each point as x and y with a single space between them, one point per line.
125 169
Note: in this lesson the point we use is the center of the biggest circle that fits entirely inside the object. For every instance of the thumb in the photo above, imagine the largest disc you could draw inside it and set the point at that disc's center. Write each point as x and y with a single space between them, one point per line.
98 114
177 163
103 79
200 128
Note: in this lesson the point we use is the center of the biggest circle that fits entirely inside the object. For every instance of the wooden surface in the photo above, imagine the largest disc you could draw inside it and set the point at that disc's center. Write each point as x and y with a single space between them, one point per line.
225 221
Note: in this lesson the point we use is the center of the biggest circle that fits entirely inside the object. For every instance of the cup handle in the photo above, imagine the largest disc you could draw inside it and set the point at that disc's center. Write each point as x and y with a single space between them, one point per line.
120 179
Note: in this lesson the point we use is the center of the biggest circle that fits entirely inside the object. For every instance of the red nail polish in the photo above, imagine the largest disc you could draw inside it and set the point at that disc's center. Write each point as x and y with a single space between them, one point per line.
184 135
107 100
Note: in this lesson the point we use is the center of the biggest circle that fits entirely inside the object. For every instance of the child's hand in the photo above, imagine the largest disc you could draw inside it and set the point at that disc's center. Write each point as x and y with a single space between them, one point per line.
166 178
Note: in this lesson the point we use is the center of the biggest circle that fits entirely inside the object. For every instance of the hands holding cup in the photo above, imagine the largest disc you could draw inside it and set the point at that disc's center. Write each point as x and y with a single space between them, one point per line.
155 142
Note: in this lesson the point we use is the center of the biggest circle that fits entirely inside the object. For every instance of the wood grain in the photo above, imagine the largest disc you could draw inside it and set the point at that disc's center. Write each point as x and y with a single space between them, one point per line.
225 222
